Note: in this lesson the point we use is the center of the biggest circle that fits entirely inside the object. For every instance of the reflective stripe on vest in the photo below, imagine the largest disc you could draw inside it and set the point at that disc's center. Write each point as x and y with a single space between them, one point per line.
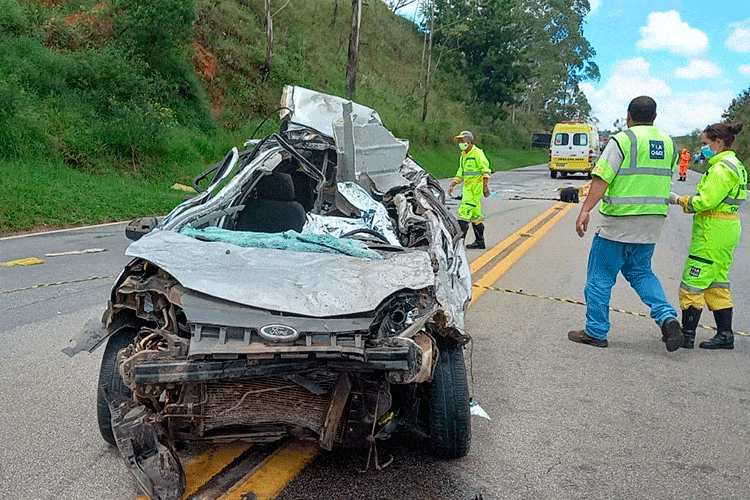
653 183
469 174
730 200
635 200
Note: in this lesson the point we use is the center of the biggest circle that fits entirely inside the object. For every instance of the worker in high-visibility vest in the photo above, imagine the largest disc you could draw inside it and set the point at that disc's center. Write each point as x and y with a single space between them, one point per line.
474 171
632 178
716 233
684 162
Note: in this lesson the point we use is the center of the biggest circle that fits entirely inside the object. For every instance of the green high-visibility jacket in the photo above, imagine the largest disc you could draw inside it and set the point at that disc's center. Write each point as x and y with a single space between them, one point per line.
716 224
723 187
472 169
640 185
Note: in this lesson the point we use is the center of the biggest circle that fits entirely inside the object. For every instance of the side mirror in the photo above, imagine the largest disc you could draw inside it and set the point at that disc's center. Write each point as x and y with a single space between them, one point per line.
138 227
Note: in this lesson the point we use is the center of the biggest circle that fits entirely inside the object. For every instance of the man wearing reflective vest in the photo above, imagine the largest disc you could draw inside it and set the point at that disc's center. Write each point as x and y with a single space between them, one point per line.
474 171
632 179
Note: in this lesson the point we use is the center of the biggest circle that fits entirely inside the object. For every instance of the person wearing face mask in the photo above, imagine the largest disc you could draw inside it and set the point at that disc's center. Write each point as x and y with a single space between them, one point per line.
474 171
716 233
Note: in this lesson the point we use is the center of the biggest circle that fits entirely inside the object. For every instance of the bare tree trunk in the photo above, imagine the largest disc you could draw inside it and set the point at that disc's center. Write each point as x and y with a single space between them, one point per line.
269 36
335 13
429 62
351 67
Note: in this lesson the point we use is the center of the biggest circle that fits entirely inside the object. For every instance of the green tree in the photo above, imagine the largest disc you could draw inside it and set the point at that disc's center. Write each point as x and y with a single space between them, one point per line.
483 41
561 57
739 111
160 32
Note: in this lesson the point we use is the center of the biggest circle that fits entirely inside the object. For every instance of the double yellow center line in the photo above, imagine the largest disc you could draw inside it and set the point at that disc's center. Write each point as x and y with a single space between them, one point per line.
505 254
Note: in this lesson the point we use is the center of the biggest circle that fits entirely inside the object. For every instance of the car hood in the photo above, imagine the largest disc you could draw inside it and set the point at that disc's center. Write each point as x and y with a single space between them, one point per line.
302 283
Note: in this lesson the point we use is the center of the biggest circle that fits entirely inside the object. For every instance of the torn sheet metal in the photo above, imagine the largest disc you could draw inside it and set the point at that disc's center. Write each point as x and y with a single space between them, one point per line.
308 284
374 216
425 220
371 153
319 111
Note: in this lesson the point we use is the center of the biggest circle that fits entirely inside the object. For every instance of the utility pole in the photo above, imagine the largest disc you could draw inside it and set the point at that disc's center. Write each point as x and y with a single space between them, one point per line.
269 36
429 61
351 67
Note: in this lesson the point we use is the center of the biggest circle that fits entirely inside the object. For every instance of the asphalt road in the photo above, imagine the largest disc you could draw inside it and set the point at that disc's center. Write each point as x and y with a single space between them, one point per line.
567 420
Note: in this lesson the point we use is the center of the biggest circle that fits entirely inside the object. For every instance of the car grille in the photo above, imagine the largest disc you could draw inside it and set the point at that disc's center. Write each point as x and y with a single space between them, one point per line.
270 400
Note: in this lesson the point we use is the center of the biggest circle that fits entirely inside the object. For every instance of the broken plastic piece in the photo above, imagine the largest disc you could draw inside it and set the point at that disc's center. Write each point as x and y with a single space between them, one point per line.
147 450
477 410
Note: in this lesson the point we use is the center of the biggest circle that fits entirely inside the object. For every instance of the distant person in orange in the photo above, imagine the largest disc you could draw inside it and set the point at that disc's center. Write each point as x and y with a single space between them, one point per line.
684 161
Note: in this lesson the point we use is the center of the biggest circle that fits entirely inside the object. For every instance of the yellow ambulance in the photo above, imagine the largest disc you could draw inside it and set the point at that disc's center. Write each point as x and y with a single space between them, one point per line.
574 147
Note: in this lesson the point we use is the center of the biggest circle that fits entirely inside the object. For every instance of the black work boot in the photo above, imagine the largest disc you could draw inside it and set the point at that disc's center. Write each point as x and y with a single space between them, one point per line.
464 225
690 318
671 334
724 338
478 236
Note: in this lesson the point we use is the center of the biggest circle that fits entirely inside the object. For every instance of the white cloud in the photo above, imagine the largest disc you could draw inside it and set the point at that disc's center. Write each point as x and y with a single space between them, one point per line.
744 69
594 6
677 113
697 69
739 39
629 79
688 111
665 31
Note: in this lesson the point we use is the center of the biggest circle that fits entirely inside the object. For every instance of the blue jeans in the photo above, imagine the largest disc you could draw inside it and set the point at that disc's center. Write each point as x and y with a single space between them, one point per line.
606 259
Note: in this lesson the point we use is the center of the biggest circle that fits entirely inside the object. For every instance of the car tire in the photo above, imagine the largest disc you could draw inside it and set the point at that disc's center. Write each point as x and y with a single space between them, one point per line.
564 175
110 379
553 174
448 409
588 175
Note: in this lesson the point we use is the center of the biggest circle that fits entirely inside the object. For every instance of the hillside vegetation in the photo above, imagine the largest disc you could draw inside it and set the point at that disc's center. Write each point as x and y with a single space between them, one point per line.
103 106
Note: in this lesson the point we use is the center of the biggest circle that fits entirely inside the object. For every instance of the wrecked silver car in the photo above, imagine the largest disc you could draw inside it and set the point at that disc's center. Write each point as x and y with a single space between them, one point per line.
315 287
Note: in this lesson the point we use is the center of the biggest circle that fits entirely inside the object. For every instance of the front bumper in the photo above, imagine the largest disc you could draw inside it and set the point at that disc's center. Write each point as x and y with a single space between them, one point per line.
401 355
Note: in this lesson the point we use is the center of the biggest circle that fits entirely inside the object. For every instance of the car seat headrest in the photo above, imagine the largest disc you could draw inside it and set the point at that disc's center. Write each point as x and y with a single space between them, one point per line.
276 186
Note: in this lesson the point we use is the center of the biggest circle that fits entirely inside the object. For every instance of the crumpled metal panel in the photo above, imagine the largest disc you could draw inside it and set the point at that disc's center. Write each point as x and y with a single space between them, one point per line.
377 154
374 216
319 111
453 276
307 284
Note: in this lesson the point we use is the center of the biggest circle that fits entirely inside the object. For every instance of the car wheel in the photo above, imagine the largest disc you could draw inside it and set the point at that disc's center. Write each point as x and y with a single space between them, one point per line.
448 403
563 174
553 174
588 175
111 381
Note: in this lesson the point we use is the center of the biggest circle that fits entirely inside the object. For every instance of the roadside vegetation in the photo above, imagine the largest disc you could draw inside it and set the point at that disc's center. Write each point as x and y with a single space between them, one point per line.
104 106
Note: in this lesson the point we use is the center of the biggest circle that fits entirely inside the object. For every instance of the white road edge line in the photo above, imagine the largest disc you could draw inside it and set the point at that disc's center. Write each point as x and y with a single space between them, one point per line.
65 230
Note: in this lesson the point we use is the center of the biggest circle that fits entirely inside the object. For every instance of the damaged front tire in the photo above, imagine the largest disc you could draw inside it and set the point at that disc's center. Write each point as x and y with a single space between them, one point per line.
448 403
110 381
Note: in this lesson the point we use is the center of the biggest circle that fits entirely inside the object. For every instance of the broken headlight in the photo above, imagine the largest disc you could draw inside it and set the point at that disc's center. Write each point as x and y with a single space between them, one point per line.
400 311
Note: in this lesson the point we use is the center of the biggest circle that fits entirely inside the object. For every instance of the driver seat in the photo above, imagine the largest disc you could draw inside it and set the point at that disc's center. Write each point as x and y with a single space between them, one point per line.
273 210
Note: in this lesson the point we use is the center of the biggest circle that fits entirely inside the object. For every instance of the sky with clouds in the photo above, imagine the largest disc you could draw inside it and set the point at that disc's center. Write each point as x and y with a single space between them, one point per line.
691 56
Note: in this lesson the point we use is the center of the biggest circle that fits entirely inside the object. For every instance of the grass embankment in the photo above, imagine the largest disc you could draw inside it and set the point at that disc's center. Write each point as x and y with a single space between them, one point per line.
442 162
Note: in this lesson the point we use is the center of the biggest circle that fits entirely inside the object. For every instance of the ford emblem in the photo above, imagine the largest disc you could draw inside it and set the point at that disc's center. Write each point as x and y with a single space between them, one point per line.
279 333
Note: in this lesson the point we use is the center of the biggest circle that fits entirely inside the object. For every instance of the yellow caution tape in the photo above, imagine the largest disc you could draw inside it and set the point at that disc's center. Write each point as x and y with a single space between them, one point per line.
41 285
579 303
